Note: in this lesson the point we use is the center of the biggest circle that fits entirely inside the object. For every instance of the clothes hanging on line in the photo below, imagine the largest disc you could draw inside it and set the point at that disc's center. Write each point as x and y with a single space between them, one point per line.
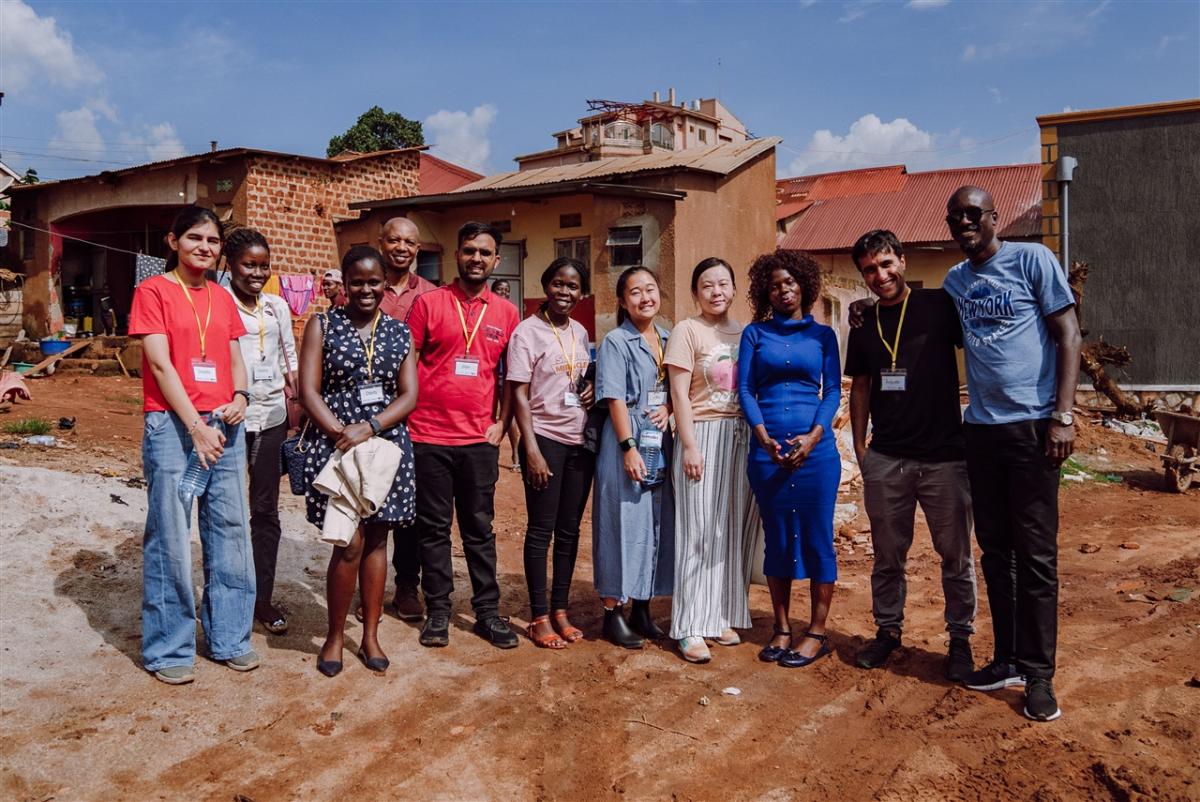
297 291
148 267
272 285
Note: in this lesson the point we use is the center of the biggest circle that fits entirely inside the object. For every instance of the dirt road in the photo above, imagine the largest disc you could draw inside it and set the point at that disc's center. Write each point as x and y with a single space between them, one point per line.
81 720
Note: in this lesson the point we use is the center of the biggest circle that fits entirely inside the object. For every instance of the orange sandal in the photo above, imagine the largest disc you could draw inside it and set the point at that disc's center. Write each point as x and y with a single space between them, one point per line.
563 627
551 641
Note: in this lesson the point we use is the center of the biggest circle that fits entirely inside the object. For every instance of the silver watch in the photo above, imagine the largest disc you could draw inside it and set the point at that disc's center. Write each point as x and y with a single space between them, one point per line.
1065 418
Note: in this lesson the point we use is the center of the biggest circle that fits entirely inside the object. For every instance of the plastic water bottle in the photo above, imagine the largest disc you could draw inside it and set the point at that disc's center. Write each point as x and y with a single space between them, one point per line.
195 477
650 447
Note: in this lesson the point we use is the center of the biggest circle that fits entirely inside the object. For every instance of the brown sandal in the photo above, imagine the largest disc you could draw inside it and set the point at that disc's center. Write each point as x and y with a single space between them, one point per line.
563 627
551 641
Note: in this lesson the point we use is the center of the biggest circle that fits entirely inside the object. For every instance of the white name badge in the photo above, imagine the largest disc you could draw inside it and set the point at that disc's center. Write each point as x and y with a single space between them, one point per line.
893 381
650 438
263 373
371 393
466 366
204 371
656 398
571 399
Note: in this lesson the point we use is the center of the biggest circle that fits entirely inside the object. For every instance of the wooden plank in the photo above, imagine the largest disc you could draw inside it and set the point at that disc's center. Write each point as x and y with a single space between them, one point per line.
50 360
122 364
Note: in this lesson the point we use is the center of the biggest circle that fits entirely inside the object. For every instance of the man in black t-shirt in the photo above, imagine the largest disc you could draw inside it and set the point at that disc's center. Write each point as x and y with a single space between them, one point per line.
905 381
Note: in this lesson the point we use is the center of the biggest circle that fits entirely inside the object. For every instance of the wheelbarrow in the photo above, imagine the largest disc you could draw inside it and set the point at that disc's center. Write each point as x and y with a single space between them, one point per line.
1183 441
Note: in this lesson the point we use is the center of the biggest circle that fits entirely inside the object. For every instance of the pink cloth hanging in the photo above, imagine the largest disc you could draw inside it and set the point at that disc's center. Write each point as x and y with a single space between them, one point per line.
297 291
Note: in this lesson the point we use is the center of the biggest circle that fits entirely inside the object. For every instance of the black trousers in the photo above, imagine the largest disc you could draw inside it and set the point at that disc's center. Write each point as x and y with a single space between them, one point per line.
406 555
555 511
1014 490
457 480
262 449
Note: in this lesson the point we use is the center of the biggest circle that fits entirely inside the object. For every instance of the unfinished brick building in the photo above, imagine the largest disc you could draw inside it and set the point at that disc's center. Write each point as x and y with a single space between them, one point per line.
77 239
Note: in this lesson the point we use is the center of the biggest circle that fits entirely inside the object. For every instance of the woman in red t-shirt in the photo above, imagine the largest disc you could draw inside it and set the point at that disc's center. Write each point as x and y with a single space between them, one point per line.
192 371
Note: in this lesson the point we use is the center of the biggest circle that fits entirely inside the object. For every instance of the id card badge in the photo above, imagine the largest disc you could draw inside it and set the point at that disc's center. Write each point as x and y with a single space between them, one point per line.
571 399
466 366
650 438
371 393
893 381
263 372
204 371
656 397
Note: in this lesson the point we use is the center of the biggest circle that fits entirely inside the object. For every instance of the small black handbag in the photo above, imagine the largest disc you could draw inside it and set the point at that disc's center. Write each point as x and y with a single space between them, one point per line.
292 455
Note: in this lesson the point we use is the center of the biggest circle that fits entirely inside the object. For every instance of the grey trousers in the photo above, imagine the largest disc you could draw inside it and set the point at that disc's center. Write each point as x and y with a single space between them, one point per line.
892 488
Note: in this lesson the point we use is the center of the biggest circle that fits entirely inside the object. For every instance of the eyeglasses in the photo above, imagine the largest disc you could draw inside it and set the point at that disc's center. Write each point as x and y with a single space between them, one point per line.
471 250
973 213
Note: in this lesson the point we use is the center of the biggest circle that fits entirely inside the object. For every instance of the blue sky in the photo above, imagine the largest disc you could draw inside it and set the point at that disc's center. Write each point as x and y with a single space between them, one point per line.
929 83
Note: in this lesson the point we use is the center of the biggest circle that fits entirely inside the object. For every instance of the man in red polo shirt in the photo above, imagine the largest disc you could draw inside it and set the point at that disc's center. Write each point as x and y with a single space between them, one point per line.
399 242
460 333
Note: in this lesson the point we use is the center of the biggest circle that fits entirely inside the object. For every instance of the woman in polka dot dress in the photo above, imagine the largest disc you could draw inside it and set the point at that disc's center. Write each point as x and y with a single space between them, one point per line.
358 380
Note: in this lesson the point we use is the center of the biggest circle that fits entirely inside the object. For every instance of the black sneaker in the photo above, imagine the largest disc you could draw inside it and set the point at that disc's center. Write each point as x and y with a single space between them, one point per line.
994 676
495 631
959 660
875 653
1040 704
436 630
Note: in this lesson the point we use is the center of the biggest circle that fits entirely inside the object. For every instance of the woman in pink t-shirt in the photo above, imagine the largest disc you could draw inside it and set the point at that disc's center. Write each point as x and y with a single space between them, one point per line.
547 358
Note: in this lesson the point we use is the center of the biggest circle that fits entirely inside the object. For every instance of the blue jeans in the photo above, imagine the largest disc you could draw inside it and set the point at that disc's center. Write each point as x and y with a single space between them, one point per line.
168 604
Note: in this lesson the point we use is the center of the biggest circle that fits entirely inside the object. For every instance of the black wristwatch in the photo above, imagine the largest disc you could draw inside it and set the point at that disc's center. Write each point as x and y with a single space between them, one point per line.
628 444
244 394
375 425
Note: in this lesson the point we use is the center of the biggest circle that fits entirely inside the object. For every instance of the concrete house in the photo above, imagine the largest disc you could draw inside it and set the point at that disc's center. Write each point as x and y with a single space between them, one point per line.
666 210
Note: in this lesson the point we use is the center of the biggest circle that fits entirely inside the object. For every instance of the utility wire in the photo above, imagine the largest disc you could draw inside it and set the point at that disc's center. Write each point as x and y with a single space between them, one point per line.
76 239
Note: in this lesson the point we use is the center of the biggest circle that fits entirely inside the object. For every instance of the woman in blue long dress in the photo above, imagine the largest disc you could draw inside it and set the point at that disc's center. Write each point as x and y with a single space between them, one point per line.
789 382
633 509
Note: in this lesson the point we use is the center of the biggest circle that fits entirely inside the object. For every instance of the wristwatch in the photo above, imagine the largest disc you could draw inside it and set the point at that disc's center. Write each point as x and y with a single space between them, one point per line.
1065 418
244 394
376 426
628 444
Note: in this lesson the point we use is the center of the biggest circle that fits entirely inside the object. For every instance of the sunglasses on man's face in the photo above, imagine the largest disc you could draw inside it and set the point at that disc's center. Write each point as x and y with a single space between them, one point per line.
973 213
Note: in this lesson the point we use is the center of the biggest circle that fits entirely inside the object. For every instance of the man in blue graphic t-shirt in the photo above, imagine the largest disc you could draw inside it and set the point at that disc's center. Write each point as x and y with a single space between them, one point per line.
1022 342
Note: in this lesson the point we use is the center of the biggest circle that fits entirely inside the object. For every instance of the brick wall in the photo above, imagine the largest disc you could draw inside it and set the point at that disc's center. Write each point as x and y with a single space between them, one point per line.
294 203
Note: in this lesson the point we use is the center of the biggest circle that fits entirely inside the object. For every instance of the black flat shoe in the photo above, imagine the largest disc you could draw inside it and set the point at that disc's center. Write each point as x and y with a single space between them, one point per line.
642 622
330 668
376 664
616 630
793 658
771 654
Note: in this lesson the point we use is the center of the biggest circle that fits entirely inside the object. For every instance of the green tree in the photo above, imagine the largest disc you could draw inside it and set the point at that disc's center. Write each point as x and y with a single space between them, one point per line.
30 177
377 129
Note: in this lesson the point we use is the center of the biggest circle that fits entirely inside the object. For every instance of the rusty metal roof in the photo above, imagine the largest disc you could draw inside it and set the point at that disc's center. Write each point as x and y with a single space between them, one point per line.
439 175
916 210
842 184
719 160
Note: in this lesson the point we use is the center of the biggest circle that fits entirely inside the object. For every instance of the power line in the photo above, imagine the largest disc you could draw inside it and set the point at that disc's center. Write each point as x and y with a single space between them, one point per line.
76 239
975 147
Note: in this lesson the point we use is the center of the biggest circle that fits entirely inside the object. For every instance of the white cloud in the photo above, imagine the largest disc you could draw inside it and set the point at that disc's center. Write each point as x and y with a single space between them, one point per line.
79 132
461 136
869 142
1166 40
924 5
158 142
997 95
35 48
969 53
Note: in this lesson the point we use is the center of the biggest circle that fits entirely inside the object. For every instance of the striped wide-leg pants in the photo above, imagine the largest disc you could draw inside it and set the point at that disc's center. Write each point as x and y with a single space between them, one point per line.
716 520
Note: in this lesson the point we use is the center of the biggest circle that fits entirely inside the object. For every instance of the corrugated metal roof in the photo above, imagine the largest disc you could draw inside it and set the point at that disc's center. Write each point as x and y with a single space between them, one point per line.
843 184
916 211
718 159
439 175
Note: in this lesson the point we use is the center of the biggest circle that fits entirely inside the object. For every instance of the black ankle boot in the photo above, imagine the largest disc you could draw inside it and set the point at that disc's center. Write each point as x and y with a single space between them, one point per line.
643 623
617 630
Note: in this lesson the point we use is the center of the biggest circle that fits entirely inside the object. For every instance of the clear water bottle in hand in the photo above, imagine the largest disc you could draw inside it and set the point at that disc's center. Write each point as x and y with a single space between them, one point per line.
650 447
195 476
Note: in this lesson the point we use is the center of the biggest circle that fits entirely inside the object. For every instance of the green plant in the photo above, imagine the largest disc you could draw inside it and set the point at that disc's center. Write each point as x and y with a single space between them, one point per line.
377 129
28 426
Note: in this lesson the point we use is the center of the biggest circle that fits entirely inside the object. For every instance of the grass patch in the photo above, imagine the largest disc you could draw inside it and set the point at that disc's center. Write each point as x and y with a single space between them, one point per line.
1072 466
28 426
131 400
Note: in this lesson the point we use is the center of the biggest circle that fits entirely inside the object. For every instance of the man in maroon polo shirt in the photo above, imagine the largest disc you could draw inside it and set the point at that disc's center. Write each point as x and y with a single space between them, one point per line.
399 242
460 333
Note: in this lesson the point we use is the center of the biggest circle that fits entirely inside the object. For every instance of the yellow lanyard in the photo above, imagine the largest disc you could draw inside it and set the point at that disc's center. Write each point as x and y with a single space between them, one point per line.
570 360
893 349
203 330
371 347
469 336
257 311
658 360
